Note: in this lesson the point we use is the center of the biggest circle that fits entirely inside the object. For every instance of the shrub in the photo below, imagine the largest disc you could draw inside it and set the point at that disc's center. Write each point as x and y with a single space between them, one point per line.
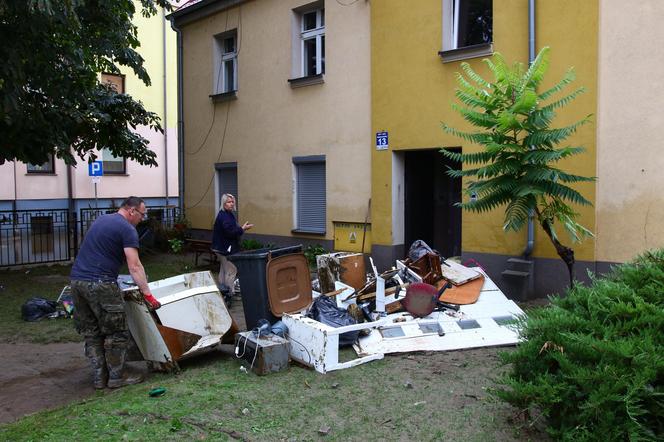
311 252
251 244
176 245
593 362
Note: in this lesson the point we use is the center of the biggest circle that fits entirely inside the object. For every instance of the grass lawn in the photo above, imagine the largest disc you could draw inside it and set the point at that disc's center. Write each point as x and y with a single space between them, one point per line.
421 396
17 286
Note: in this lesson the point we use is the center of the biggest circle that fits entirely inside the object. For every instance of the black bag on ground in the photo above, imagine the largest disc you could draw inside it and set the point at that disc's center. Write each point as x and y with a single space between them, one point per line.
325 310
35 309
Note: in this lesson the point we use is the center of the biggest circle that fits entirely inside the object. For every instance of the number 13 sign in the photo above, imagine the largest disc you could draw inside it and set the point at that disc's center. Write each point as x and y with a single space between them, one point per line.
381 141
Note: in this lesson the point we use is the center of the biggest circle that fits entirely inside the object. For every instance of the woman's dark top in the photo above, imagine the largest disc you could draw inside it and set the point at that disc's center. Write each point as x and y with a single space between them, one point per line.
226 234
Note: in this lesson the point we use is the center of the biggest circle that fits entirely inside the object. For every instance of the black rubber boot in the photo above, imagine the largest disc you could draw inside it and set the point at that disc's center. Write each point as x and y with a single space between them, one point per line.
115 359
95 353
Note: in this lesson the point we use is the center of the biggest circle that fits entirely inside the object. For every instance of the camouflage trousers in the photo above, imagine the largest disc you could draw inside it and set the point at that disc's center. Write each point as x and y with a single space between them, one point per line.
99 314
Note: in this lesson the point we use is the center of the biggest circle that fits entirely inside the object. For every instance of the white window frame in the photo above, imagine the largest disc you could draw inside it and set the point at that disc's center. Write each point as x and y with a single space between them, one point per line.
450 21
299 36
317 34
223 61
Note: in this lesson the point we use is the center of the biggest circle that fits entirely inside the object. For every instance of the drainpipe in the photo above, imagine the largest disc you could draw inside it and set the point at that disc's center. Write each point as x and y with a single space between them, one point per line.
73 230
531 57
165 93
15 216
180 121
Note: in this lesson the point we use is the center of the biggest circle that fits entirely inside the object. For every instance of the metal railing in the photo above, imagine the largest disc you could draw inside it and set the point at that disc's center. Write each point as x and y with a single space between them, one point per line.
44 236
164 216
34 236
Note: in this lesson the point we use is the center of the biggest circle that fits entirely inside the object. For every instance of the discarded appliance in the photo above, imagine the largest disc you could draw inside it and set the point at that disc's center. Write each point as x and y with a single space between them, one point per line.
317 345
192 319
265 353
491 321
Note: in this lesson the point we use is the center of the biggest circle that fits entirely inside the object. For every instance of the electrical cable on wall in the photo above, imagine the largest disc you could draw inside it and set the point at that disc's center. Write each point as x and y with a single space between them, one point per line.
228 110
347 4
214 107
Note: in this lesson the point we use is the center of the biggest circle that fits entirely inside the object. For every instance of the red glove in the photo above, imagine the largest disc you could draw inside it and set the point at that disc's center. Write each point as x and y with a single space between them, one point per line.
152 301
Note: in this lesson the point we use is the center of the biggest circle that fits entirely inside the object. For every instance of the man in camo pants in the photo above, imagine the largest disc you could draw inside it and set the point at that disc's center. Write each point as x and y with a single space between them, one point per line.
98 304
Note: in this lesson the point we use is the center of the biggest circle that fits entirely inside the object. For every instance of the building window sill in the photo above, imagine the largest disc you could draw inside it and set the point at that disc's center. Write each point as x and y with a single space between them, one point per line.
306 81
41 174
481 50
115 174
224 96
309 231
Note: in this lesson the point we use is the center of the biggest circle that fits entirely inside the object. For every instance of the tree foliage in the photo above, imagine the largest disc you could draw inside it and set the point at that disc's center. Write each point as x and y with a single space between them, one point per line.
51 97
592 363
516 168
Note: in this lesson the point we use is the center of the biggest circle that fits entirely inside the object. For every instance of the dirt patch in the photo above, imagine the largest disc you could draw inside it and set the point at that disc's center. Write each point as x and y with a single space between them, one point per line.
35 377
38 377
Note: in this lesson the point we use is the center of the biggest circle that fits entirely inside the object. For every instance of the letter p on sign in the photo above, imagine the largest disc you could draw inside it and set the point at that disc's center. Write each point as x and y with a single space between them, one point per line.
95 168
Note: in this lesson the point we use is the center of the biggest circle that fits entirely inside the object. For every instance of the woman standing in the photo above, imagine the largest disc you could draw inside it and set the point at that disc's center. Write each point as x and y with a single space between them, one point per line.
226 241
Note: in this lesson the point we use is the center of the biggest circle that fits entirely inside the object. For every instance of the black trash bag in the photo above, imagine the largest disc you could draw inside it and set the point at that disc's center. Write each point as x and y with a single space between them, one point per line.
418 249
35 309
325 310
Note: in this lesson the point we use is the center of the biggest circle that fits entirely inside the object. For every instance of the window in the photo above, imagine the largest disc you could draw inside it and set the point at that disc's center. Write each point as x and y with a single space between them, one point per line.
47 167
117 82
313 43
467 29
226 175
310 194
225 60
309 42
111 164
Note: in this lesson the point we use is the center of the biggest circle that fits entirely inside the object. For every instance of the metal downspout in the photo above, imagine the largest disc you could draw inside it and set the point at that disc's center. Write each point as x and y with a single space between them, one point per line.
530 245
72 214
165 93
180 121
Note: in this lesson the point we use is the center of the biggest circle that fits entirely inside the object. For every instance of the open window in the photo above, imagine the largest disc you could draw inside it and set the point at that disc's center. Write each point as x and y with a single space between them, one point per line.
308 45
225 65
467 29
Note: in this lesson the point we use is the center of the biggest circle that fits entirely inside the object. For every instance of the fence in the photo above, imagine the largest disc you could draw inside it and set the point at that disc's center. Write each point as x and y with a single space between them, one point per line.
43 236
34 236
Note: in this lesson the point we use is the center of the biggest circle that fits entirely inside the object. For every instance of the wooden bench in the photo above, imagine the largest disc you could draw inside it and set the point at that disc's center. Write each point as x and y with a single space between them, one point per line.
201 247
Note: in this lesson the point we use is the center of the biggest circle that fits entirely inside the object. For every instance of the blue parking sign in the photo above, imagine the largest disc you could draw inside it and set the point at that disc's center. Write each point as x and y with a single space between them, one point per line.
95 168
381 141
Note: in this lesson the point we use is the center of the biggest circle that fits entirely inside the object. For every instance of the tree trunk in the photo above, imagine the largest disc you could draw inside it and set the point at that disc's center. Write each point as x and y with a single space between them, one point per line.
565 253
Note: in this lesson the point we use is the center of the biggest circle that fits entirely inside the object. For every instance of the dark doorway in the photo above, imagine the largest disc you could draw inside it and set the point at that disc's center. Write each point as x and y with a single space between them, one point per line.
430 195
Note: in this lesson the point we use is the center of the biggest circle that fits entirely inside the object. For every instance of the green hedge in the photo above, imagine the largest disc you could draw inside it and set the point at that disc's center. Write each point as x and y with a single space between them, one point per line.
592 363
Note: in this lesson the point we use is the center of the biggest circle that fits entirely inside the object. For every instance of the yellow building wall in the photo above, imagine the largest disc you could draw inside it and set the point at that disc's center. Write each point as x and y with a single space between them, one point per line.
413 90
269 123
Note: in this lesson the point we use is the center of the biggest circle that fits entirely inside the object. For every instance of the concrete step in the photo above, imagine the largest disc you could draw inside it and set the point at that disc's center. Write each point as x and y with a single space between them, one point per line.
515 274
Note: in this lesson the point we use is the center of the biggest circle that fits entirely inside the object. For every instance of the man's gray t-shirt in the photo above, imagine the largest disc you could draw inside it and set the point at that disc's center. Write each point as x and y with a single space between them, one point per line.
102 252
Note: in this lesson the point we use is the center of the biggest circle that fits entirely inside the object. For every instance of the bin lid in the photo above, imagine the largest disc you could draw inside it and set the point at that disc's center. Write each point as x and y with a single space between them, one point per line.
288 284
